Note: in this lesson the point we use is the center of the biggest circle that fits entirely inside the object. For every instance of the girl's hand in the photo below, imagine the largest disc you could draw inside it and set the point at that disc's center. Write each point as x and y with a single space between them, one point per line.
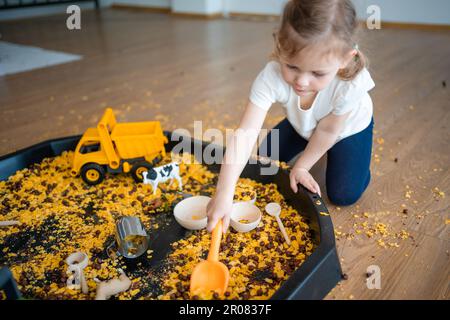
302 176
219 207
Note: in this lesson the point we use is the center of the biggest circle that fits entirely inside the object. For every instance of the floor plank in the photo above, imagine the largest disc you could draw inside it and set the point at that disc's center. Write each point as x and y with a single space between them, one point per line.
419 269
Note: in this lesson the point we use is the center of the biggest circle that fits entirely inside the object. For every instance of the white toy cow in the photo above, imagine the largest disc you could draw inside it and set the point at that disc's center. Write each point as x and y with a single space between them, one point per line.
162 174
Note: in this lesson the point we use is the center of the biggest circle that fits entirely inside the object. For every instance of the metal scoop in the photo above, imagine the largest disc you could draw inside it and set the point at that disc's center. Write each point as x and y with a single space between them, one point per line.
131 238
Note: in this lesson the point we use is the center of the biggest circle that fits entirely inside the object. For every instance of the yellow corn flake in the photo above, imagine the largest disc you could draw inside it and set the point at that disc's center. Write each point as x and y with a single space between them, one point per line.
244 190
438 194
76 217
403 235
394 244
370 233
381 243
244 254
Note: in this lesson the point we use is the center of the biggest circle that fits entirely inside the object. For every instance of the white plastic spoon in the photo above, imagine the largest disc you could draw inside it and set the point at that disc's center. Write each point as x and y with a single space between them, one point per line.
8 223
274 209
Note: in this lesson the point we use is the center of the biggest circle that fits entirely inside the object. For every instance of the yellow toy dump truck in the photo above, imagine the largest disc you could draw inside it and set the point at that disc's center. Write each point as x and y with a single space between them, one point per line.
118 147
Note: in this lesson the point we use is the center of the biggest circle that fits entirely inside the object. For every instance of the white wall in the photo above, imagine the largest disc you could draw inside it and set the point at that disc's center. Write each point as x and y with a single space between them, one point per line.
408 11
270 7
29 12
197 6
214 6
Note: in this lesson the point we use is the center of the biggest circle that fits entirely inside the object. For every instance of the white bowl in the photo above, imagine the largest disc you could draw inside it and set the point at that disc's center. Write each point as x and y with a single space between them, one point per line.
191 212
245 211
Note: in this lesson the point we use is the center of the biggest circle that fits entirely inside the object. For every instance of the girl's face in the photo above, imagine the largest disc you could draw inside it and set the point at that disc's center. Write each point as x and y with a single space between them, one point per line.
307 73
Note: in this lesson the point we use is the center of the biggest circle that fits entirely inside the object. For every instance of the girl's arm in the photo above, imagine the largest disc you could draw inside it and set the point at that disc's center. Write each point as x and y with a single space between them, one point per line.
237 153
322 139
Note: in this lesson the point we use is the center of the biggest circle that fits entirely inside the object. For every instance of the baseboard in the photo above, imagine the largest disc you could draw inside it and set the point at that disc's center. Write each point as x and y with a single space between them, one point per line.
270 17
407 25
420 26
166 11
140 8
254 16
205 16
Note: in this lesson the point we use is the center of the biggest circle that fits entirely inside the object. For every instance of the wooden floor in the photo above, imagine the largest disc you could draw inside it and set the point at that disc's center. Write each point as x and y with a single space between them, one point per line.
177 70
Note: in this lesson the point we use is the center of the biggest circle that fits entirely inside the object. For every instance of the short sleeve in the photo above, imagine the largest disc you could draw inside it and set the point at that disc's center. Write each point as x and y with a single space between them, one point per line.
348 94
268 87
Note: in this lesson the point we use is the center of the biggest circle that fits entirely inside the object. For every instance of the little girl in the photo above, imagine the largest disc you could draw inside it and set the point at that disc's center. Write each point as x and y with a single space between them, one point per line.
319 76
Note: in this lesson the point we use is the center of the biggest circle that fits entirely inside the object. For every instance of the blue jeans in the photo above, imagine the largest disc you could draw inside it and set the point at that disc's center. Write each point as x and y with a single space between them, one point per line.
348 163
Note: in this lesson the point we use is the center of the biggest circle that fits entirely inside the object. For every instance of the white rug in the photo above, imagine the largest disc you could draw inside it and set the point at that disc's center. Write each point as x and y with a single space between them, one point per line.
16 58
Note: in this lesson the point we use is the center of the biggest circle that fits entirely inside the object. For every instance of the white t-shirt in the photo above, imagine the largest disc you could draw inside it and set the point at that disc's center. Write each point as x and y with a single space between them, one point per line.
339 97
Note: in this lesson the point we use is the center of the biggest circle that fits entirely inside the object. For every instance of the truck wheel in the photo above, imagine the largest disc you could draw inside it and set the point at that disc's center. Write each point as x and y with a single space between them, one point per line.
92 173
138 168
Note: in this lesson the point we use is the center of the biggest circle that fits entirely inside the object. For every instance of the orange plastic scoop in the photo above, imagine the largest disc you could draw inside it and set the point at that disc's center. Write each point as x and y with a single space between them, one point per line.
211 274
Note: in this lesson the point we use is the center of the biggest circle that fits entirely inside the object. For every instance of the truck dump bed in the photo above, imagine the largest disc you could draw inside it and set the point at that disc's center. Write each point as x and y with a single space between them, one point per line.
138 139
